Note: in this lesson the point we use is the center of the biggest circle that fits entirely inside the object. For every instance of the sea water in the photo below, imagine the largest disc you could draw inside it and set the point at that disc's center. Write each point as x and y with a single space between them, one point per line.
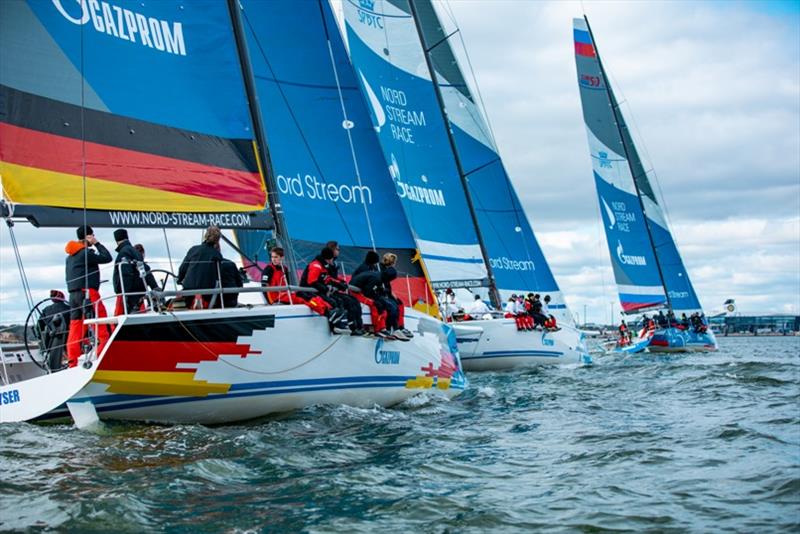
702 442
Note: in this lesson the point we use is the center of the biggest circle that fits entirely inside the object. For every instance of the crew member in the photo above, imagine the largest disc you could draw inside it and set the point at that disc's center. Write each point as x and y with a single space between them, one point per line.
200 267
126 275
84 258
276 274
370 263
53 328
388 263
315 276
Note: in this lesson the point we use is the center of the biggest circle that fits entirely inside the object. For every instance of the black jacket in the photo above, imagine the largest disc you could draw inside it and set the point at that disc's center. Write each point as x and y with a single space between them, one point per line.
387 286
370 283
366 267
80 257
230 278
199 268
127 256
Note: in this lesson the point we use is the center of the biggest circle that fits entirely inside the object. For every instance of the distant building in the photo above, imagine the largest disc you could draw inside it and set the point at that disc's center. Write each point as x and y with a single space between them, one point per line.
756 324
9 337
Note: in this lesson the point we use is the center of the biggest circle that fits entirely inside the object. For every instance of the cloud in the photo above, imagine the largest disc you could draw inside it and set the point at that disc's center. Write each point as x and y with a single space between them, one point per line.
712 91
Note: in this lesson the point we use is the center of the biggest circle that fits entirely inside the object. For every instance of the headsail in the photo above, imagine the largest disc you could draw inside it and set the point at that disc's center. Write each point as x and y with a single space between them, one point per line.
331 177
643 253
391 66
142 118
518 263
632 258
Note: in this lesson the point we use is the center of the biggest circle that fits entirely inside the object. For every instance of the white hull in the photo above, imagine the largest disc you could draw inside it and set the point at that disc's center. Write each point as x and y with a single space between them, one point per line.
221 366
496 344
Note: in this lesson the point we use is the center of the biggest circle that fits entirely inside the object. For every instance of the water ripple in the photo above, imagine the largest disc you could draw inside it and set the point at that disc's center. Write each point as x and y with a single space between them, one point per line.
669 443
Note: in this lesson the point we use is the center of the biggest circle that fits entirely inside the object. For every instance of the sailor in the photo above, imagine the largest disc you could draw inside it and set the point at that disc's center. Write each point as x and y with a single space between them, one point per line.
545 305
199 269
478 308
535 311
550 323
624 338
383 309
370 263
684 321
230 276
84 258
388 265
54 327
661 319
333 267
338 292
510 306
316 275
126 274
276 274
450 306
671 320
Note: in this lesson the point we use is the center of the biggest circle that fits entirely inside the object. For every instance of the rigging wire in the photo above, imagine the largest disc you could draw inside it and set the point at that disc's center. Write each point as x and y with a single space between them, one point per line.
279 86
346 123
482 121
169 255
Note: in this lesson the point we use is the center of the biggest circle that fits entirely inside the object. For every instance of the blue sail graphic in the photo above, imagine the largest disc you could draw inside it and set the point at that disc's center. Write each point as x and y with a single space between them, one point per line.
138 100
327 190
388 57
516 259
649 270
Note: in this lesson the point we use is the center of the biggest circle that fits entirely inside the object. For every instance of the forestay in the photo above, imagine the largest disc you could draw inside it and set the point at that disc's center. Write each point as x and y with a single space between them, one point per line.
104 129
391 67
645 259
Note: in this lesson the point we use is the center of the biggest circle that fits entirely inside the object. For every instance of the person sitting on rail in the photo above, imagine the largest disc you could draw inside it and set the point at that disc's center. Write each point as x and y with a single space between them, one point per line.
276 274
388 264
315 275
370 263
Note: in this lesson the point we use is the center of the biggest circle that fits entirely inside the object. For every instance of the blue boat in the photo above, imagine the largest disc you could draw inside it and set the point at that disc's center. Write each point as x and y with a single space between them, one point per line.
647 266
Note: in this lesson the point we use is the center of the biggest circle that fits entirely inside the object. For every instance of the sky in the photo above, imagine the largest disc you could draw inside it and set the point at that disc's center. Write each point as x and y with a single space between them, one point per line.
712 92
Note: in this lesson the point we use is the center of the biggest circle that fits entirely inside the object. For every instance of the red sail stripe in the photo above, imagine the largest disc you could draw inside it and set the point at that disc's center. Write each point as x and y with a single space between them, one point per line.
41 150
163 356
584 49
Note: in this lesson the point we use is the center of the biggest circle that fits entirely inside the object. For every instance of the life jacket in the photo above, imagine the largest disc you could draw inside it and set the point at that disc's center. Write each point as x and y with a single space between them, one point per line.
315 274
274 276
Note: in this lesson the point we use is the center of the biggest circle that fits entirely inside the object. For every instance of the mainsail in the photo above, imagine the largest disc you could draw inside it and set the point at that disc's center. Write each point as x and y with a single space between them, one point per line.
517 262
331 177
647 266
142 119
391 66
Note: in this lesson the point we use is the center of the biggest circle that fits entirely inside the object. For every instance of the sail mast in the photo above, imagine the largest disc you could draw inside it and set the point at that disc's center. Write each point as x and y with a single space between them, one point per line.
494 295
263 151
618 120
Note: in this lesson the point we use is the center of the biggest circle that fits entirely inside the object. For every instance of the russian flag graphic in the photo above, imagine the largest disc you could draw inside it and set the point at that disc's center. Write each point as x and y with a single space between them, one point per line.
583 43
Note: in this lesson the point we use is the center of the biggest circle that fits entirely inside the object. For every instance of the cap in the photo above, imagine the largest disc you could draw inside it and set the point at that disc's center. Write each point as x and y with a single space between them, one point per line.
120 234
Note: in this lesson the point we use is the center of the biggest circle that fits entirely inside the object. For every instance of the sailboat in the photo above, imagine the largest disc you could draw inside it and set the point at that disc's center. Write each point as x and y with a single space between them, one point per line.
647 266
465 214
104 115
